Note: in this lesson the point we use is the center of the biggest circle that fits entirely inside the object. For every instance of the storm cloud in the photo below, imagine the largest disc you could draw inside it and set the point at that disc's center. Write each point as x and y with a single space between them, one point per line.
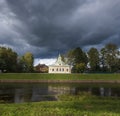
49 27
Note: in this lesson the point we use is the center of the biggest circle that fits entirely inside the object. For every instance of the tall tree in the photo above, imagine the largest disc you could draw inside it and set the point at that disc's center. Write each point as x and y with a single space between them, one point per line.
77 58
103 59
21 64
8 60
111 59
27 61
118 66
94 60
70 58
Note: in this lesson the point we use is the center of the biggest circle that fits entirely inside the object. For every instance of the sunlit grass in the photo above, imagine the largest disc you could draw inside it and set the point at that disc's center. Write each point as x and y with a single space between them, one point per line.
38 76
69 105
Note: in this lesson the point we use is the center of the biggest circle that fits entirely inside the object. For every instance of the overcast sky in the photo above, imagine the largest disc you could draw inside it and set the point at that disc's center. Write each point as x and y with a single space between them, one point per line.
49 27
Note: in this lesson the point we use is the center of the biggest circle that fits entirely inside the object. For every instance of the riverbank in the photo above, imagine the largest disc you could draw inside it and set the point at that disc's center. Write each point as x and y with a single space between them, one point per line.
60 81
58 78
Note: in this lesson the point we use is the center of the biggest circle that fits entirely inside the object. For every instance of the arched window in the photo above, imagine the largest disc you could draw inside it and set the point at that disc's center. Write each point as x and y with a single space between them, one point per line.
57 69
67 70
60 69
63 69
52 69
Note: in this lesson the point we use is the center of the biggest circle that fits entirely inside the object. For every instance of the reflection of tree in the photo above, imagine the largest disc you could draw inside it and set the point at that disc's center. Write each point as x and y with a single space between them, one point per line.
39 93
6 95
80 90
22 95
50 92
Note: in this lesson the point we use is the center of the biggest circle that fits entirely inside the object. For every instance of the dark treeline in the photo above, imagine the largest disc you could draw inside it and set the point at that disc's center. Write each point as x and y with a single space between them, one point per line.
11 62
105 60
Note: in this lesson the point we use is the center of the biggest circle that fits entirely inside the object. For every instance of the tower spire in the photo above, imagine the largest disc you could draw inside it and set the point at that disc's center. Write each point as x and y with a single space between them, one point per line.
59 60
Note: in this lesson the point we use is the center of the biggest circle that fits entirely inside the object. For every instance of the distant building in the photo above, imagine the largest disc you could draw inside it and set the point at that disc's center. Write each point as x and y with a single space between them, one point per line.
42 68
59 66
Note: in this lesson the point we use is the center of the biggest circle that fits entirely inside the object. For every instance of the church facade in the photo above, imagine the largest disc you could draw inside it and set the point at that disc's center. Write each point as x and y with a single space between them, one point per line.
59 67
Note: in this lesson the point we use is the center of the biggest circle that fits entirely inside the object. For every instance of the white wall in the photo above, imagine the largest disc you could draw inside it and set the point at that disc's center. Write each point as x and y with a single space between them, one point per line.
59 69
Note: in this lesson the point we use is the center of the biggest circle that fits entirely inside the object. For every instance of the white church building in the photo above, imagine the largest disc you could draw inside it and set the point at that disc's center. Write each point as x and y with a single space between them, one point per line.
59 67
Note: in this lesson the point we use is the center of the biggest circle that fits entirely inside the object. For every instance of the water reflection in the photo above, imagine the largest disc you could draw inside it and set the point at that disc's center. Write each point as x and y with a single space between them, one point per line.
50 92
105 91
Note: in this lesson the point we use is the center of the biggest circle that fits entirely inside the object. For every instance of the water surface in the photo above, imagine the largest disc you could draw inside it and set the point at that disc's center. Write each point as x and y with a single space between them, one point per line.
19 93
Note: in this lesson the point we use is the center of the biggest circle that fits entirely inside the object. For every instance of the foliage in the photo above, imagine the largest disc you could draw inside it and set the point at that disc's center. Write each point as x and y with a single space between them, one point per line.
21 64
8 60
77 58
109 57
79 68
94 59
103 59
107 60
11 62
28 62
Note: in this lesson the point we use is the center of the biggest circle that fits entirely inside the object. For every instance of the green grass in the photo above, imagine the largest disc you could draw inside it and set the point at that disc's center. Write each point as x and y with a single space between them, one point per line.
69 105
38 76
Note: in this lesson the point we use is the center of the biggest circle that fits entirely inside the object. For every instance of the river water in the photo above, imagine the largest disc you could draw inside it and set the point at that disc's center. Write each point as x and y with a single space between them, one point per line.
19 93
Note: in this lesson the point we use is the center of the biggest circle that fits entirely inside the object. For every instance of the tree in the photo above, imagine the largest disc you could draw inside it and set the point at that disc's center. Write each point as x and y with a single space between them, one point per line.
111 59
80 68
103 61
94 60
2 64
118 66
27 62
8 60
21 64
69 56
77 57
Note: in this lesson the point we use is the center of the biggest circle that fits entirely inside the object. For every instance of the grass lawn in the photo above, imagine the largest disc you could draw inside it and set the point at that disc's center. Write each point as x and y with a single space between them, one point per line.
69 105
39 76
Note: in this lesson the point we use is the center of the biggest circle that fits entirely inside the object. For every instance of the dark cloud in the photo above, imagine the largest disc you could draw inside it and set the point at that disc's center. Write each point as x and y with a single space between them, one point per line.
47 27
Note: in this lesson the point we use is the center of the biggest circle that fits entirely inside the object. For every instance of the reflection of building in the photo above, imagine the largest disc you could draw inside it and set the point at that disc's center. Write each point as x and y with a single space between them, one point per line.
61 90
60 66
